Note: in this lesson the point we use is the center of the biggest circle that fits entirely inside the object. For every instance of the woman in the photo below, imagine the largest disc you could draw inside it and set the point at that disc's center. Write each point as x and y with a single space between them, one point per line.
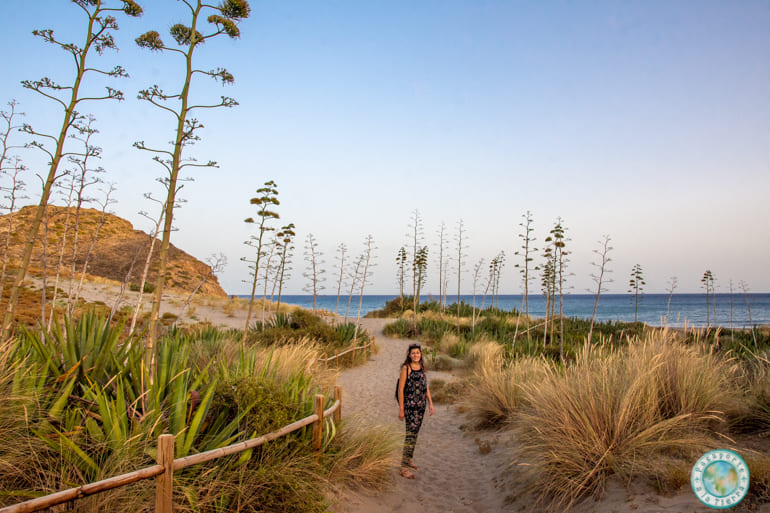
412 394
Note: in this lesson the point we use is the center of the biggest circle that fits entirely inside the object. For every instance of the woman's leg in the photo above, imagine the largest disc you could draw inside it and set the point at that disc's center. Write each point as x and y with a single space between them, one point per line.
409 440
413 421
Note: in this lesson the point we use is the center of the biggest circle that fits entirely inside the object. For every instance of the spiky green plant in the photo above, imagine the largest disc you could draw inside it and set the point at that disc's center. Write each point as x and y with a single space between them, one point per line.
83 416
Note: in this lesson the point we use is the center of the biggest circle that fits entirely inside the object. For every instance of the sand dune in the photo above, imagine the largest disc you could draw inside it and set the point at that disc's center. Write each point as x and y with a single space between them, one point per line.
455 476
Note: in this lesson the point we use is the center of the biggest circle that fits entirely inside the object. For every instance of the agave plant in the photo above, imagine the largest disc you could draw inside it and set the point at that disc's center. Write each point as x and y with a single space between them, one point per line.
89 349
84 399
345 332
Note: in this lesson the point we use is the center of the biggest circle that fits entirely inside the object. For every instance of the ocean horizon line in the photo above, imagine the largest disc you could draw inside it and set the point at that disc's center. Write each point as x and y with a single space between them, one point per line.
519 294
734 310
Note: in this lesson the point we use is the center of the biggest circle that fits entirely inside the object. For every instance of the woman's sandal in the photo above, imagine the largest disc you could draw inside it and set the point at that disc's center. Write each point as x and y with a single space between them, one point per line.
412 465
406 473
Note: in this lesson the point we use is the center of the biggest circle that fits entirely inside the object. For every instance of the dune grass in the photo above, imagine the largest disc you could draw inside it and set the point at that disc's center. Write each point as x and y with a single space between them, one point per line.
363 455
641 408
495 392
616 413
78 405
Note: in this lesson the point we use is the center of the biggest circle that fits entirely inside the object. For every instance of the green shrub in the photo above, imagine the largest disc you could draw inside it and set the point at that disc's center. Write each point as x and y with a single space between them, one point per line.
299 324
148 287
168 318
393 308
304 319
266 404
502 327
280 320
402 328
345 332
466 310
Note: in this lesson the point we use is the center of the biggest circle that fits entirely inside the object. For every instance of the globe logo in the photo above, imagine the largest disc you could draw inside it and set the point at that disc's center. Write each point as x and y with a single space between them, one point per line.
720 479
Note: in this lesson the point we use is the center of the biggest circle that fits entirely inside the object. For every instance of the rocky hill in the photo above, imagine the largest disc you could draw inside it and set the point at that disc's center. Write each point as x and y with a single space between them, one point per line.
118 249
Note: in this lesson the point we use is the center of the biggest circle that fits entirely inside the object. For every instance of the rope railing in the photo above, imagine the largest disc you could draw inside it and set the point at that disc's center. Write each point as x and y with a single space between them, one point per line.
163 472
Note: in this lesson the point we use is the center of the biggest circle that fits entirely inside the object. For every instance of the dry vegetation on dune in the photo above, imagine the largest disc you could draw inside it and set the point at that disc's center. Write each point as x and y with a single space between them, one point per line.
616 414
638 408
646 411
364 455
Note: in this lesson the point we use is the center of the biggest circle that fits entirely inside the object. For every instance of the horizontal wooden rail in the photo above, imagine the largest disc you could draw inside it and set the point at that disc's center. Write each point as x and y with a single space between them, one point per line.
352 349
162 472
331 409
84 491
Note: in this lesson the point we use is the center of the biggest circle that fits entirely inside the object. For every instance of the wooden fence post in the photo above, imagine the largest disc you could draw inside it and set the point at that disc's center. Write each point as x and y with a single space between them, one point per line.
318 426
326 361
165 482
336 361
338 397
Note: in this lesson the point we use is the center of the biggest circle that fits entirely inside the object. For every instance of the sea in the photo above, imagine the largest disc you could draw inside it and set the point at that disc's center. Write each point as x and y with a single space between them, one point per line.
730 311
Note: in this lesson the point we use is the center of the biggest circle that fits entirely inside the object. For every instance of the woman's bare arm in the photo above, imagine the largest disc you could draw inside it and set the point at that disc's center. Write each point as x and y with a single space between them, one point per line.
401 384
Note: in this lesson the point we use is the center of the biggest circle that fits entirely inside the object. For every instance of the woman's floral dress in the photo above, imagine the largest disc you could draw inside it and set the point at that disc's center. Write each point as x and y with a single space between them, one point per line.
415 400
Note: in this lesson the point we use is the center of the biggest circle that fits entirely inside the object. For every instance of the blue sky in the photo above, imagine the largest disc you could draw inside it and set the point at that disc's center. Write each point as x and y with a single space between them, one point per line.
648 121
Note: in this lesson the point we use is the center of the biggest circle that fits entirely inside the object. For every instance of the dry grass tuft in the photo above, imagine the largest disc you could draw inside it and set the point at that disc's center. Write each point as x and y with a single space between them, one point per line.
230 307
670 475
495 392
447 392
364 455
484 353
239 304
447 342
759 487
285 360
615 414
443 362
298 358
753 414
430 315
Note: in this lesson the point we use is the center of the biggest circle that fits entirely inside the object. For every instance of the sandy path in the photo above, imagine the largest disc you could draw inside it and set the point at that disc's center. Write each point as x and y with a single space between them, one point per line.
454 476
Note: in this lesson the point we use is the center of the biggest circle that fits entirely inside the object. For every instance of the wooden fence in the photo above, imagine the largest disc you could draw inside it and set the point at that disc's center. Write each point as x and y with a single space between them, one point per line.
337 355
163 471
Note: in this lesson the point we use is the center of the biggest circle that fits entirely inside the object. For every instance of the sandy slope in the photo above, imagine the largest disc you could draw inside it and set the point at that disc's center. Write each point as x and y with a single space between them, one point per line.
202 309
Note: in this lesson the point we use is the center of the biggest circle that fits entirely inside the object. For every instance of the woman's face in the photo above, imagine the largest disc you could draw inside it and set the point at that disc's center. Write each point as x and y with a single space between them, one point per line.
415 354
